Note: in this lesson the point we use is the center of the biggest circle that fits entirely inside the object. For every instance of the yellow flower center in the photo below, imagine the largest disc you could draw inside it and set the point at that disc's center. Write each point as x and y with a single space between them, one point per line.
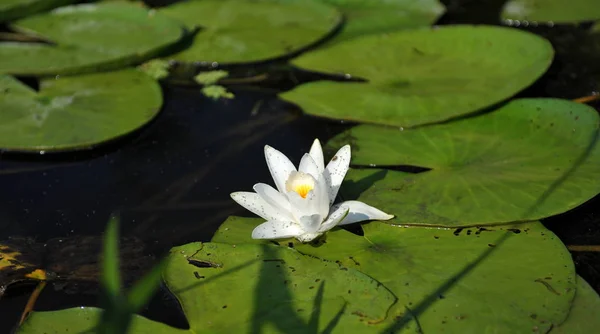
300 183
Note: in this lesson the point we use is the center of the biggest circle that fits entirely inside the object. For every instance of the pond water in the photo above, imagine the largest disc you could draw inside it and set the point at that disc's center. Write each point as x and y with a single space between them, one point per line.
171 181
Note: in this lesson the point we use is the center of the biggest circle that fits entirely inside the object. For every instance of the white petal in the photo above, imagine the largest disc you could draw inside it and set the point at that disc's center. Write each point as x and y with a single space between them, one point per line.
308 166
255 204
311 223
336 216
360 211
316 152
322 192
273 197
279 166
276 230
336 171
306 237
301 207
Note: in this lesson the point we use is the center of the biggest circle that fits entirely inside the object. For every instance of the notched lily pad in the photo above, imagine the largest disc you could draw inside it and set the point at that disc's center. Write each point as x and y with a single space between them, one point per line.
421 76
530 159
553 11
87 38
249 31
513 279
75 112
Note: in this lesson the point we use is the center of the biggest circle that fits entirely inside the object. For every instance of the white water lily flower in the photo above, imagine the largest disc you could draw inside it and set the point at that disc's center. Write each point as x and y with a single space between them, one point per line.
301 206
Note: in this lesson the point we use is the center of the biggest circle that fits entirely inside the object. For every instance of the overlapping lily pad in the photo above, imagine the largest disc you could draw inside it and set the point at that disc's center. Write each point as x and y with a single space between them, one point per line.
421 76
14 9
513 279
555 11
227 288
75 112
88 37
235 31
584 316
366 17
530 159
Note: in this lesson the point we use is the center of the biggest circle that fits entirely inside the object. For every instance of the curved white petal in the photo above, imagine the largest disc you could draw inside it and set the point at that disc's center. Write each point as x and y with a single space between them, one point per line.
322 192
306 237
279 166
316 152
311 223
336 171
274 198
301 207
276 230
336 216
360 211
308 166
255 204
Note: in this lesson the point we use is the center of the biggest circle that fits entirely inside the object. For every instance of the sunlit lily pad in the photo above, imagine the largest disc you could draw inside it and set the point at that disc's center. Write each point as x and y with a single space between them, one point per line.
421 76
88 37
365 17
584 316
14 9
227 288
235 31
530 159
555 11
75 112
511 279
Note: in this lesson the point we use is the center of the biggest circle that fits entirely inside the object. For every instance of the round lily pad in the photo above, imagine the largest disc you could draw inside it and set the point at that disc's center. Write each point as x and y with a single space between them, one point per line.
509 279
88 37
76 112
530 159
555 11
421 76
14 9
366 17
248 31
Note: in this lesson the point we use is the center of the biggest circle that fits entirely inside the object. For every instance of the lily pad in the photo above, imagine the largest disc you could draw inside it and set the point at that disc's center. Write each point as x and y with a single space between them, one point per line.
75 112
584 316
366 17
555 11
20 260
530 159
421 76
249 31
87 38
263 288
510 279
14 9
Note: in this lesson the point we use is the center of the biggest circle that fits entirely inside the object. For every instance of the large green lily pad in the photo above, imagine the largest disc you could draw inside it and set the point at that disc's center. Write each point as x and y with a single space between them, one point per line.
239 31
14 9
530 159
75 112
556 11
366 17
510 279
421 76
584 316
88 37
226 288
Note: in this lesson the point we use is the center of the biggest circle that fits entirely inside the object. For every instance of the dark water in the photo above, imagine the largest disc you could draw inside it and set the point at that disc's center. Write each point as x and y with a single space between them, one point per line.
171 181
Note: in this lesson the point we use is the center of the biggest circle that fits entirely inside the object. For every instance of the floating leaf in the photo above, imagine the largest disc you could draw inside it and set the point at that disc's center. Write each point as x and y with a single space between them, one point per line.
584 316
530 159
421 76
75 112
366 17
20 260
510 279
88 37
236 289
14 9
249 31
555 11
